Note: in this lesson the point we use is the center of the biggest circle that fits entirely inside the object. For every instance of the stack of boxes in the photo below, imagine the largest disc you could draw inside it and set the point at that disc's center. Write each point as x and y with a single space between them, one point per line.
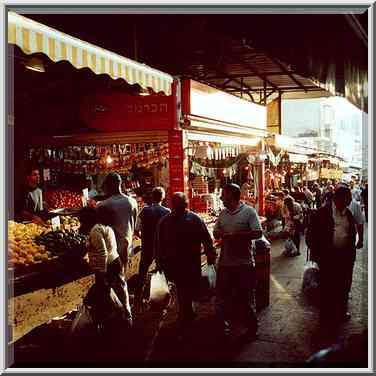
199 188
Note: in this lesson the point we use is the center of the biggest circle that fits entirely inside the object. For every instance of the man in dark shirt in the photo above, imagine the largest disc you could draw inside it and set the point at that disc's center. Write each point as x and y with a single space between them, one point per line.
147 225
180 235
29 206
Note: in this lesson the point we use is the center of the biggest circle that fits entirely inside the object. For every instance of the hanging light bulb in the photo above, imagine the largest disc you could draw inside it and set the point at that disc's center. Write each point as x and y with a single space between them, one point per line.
109 159
35 64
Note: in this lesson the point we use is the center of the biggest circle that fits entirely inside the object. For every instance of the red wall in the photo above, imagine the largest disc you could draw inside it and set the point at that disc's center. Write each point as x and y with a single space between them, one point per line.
112 111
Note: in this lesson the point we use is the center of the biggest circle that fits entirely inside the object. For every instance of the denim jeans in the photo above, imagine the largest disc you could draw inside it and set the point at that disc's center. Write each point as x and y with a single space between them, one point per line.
235 288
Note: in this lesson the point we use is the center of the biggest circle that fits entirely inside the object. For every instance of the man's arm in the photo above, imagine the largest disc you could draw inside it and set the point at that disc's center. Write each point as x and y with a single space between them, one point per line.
217 232
243 235
254 232
158 246
138 227
360 229
207 243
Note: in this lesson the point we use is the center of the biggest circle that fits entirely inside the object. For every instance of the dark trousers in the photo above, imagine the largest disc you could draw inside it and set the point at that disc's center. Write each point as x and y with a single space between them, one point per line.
335 284
235 288
145 262
366 211
185 295
296 239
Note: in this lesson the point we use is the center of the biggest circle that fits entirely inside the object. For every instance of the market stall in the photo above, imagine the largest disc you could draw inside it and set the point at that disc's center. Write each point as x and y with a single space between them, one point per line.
221 142
67 137
330 169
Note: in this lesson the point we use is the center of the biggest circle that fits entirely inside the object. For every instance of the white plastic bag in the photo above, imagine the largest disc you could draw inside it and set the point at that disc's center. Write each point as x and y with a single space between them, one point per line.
310 277
159 291
212 276
290 248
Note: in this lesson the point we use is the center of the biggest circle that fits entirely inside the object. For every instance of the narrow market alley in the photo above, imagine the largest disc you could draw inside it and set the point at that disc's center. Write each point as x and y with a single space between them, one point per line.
289 332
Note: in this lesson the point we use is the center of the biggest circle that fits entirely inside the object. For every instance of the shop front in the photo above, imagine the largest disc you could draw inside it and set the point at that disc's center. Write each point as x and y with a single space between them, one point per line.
222 142
75 122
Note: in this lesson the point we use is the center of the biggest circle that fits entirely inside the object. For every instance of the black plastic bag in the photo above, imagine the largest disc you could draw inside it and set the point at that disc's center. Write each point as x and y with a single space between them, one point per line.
100 306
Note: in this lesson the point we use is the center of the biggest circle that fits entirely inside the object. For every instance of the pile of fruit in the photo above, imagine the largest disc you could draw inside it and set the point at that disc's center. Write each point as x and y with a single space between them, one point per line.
63 243
62 199
22 247
67 222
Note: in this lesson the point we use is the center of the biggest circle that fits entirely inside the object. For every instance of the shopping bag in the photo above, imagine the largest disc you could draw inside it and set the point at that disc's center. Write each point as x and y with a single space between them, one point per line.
310 277
290 248
159 290
83 323
212 276
103 303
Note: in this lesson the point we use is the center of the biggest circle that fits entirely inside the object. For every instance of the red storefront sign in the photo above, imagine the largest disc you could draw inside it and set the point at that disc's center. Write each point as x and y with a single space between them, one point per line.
113 111
176 161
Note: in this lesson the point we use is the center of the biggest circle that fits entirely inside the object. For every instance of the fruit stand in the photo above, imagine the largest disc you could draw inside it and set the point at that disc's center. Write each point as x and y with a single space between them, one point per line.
68 138
48 273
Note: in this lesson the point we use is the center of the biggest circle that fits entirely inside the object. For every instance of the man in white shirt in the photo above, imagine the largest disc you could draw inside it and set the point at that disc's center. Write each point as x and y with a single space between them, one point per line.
121 212
237 225
356 211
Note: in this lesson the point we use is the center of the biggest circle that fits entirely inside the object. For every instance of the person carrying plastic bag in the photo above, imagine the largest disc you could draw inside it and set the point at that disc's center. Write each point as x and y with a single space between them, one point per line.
105 262
179 238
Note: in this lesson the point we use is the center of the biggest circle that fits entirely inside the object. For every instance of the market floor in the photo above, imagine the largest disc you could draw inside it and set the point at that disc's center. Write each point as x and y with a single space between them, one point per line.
289 332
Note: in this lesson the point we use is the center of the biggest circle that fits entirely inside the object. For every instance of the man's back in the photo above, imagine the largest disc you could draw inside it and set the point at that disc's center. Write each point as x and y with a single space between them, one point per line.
149 218
122 213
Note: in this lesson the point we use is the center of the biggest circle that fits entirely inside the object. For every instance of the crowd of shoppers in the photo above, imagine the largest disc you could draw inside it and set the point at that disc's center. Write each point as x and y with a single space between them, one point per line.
174 239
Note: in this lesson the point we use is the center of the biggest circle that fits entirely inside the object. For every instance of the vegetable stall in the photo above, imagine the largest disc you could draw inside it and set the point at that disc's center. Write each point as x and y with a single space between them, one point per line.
52 126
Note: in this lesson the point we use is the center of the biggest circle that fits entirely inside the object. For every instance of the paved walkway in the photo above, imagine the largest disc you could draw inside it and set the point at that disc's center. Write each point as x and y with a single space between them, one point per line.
288 334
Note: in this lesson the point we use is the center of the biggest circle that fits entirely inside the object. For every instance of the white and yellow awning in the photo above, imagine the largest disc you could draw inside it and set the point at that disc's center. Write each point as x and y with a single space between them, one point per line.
33 37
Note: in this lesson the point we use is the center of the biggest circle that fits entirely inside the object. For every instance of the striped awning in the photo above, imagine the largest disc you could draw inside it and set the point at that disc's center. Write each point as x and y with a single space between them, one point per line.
33 37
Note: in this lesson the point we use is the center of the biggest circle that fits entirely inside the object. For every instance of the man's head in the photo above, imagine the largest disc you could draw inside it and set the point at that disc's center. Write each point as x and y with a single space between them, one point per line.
32 177
315 185
230 195
342 197
179 202
157 195
112 184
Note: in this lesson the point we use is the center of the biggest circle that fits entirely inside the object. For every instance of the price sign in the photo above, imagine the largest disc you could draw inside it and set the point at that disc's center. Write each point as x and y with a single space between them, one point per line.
85 193
55 223
84 201
85 197
46 174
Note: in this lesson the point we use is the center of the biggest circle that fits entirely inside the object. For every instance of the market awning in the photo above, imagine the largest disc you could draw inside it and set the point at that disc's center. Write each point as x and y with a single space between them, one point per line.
33 37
